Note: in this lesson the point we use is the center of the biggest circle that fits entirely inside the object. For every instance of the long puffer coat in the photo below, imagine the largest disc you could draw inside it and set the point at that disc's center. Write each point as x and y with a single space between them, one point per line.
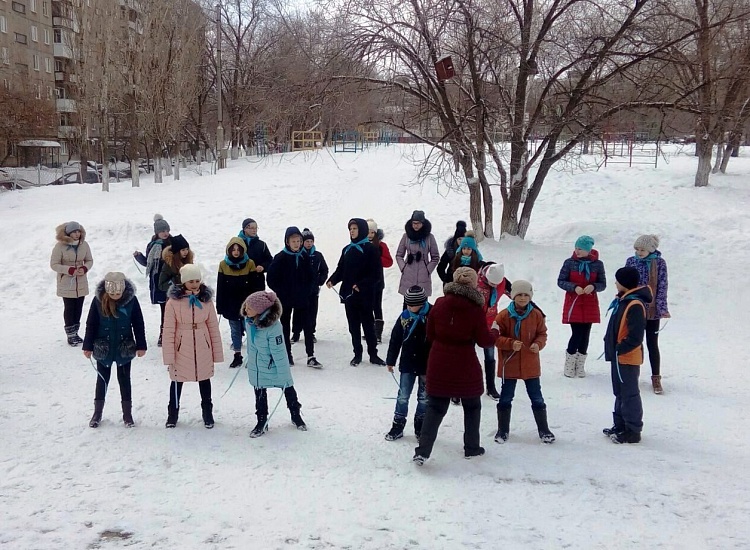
267 360
417 257
67 256
582 308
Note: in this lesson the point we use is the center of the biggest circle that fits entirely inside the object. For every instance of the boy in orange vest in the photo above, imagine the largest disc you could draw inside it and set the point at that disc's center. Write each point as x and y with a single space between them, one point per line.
623 347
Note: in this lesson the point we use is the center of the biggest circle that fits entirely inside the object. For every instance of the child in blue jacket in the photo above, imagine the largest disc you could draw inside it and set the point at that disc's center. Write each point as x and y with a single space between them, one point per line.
267 359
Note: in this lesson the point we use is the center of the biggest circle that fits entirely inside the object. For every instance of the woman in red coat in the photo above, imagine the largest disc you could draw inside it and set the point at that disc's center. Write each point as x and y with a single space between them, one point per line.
581 277
375 236
455 326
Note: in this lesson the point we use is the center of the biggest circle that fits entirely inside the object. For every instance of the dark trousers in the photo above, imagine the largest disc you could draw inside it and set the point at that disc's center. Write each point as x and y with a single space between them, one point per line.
359 314
533 389
72 310
377 303
261 401
175 392
436 409
628 411
579 338
123 379
310 315
286 326
162 307
652 343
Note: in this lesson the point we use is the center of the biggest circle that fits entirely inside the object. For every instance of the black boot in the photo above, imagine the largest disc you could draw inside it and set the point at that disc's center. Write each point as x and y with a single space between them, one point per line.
208 418
540 415
261 427
173 414
97 416
489 375
503 425
237 361
161 331
379 324
70 333
376 360
418 420
297 418
77 338
397 430
127 414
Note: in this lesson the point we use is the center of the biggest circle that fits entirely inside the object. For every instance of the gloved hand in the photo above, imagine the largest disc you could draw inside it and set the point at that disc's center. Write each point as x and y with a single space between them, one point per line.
409 258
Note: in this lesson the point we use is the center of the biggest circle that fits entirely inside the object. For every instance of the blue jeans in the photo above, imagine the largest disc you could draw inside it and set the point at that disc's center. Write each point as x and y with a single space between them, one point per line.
533 388
236 329
406 385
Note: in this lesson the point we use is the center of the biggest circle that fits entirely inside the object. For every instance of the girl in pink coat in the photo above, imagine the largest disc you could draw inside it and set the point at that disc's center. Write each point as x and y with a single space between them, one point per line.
191 341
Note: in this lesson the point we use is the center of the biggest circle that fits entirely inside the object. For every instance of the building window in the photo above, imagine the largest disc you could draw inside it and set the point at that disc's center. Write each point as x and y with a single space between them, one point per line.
58 66
49 92
6 84
57 35
34 33
45 8
48 64
60 93
20 38
32 5
6 56
20 8
38 91
35 63
46 36
3 24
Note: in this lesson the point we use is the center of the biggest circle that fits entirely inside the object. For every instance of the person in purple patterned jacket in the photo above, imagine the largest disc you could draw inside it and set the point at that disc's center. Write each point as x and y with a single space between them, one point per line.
652 271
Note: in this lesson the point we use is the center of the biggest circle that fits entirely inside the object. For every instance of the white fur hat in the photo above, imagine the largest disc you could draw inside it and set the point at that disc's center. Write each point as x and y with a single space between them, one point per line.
190 272
495 274
371 225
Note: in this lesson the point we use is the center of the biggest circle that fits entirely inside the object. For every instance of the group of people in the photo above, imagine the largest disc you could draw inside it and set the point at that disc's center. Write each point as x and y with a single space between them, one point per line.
436 343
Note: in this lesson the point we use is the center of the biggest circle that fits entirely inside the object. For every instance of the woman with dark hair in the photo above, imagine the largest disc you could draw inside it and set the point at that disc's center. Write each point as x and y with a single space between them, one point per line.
417 254
444 268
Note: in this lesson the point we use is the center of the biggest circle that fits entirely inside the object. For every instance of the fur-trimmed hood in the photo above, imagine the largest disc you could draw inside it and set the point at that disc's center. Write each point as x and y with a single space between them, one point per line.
177 292
420 235
65 239
127 294
272 314
465 291
168 256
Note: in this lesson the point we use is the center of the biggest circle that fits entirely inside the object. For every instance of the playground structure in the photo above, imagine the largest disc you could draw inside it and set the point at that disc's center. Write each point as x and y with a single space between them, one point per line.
627 148
352 141
306 140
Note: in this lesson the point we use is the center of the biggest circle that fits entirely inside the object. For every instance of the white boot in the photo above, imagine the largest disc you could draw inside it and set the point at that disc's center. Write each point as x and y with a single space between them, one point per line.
570 365
580 362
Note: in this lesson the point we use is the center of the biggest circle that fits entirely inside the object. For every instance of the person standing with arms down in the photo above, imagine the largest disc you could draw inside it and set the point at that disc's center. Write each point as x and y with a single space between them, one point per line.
417 254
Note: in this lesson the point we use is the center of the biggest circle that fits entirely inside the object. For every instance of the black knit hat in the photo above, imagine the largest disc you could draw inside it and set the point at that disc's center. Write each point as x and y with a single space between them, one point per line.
628 277
307 235
415 296
460 230
179 242
246 222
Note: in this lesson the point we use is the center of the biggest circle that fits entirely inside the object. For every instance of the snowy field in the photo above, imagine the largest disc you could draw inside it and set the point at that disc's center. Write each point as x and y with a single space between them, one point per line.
341 485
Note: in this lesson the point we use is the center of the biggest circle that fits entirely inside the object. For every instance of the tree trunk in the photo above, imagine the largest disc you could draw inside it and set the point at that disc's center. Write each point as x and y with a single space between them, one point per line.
134 172
475 207
719 158
177 168
105 174
732 150
168 162
157 169
488 206
704 150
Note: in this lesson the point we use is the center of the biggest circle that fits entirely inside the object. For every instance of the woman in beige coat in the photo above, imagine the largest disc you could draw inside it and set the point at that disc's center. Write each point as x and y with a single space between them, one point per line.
191 342
71 259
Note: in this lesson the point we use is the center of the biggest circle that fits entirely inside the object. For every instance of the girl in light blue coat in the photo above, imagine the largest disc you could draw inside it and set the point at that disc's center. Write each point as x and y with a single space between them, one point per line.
267 359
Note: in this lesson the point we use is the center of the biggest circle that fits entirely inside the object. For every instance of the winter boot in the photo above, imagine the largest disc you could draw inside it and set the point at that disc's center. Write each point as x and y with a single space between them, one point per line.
397 430
570 365
161 331
503 425
356 360
260 428
476 452
580 362
418 421
379 324
455 400
208 417
291 360
78 339
610 431
127 414
625 436
419 460
295 337
97 416
297 418
237 361
656 384
375 360
70 332
172 416
489 375
312 362
540 415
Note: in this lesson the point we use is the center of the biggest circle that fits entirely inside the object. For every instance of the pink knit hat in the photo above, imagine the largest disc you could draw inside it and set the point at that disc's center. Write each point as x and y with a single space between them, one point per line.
260 301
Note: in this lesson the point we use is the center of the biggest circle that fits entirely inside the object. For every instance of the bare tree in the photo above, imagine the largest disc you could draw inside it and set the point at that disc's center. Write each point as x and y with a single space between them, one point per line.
24 117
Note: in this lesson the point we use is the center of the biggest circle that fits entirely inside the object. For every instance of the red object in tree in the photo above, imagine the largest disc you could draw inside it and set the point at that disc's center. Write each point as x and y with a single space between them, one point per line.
444 68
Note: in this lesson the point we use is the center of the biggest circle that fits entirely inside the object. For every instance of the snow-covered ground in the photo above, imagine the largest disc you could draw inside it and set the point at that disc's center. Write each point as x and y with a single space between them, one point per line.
341 485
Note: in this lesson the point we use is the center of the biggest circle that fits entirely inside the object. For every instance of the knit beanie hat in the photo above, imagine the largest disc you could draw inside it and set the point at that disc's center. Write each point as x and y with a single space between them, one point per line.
114 282
521 287
495 274
460 230
260 301
72 226
628 277
584 242
160 224
469 242
465 276
415 296
246 222
307 235
190 272
647 242
178 243
371 225
290 232
418 216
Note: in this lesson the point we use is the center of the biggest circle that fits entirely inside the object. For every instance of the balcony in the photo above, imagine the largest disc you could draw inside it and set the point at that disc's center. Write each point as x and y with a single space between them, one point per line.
65 131
62 50
65 105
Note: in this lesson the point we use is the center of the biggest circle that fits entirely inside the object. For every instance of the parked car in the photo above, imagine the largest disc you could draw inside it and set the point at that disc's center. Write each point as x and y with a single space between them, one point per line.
75 177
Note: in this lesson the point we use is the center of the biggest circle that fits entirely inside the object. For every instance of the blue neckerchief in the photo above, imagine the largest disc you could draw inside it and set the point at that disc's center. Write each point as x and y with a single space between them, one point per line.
245 238
357 245
465 260
310 252
515 315
420 242
250 322
413 319
479 254
493 296
647 260
123 310
236 264
615 304
298 254
194 301
584 266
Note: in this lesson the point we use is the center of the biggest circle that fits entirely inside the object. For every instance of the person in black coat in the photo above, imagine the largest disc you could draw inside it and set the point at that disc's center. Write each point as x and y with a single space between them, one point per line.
257 251
444 269
290 276
358 272
409 337
320 274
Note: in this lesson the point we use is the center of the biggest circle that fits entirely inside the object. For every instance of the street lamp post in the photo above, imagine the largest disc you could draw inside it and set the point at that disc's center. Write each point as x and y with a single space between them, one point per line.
221 161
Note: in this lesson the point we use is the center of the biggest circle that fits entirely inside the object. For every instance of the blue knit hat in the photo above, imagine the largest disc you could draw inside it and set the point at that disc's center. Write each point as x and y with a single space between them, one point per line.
584 242
469 242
